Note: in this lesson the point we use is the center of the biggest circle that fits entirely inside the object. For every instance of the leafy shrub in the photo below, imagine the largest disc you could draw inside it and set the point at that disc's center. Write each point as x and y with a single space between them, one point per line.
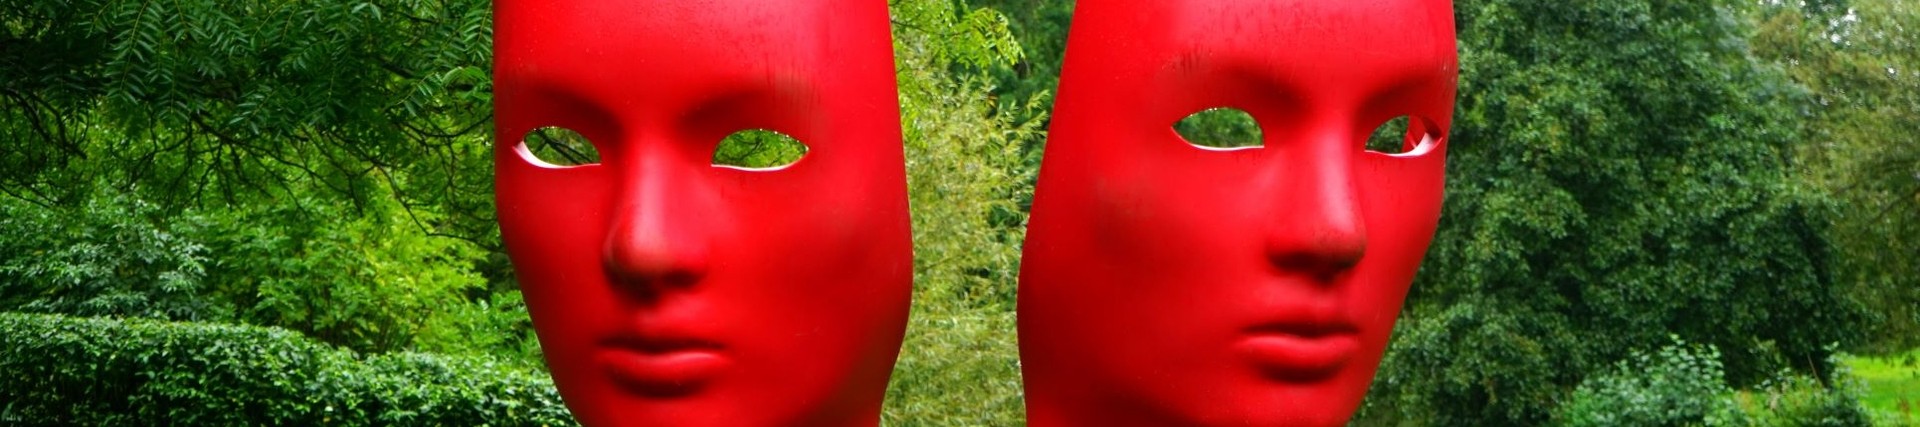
966 177
103 259
1680 385
1684 385
371 281
368 280
1799 401
95 371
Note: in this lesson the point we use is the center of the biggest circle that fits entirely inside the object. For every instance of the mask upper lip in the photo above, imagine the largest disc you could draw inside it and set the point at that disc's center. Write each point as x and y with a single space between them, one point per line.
654 344
660 339
1304 323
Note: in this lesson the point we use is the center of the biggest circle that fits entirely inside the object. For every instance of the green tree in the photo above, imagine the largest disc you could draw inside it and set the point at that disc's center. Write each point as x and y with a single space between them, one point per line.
316 165
1859 61
106 258
1620 171
222 103
967 174
1041 28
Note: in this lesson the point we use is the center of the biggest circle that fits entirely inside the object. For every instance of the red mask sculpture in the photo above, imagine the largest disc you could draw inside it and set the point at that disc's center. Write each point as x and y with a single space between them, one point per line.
1168 284
669 291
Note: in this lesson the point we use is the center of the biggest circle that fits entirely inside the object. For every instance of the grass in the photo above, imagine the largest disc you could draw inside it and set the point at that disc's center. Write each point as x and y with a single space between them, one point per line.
1892 385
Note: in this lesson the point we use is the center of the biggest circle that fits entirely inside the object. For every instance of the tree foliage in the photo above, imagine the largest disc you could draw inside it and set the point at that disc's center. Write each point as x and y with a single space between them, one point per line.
315 165
105 259
967 174
218 103
1859 62
1619 171
370 283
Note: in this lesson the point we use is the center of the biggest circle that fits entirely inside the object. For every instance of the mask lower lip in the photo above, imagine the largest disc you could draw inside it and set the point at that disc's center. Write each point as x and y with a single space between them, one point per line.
662 367
1299 351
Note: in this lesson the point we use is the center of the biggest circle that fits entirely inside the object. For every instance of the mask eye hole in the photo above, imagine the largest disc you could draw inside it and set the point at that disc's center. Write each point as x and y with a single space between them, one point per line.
1400 135
1222 128
758 150
562 147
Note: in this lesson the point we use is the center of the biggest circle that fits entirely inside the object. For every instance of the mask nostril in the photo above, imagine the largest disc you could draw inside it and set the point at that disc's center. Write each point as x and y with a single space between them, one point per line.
558 146
1323 254
650 260
1222 128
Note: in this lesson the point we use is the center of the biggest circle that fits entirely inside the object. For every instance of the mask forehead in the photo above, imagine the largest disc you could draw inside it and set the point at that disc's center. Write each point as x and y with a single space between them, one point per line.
640 42
1288 59
1322 40
1332 34
792 66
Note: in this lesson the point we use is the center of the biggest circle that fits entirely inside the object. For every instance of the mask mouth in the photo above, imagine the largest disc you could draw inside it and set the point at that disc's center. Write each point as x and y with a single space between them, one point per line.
1299 350
659 343
662 365
1303 327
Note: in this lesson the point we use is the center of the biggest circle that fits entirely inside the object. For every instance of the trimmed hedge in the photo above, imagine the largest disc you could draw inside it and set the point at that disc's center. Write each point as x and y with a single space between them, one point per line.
57 370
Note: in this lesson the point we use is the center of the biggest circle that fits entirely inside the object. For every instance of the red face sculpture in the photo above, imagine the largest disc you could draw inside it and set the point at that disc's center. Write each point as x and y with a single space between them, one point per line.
1169 284
669 291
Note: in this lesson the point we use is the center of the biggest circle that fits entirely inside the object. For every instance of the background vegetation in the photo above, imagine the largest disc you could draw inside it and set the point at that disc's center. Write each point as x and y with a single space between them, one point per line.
99 371
1658 213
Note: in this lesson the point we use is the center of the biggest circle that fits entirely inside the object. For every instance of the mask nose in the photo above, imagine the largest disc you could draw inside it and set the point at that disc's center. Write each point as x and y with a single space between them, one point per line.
657 239
1317 226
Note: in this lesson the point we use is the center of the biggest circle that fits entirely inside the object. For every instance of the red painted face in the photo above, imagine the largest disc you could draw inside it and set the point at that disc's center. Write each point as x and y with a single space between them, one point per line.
1168 284
669 291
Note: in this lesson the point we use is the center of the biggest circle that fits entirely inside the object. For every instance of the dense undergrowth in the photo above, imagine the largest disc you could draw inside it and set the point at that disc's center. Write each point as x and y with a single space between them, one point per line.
88 371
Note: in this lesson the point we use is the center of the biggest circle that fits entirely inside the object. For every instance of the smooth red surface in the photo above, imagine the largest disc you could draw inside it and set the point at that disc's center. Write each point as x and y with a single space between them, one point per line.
1169 285
670 292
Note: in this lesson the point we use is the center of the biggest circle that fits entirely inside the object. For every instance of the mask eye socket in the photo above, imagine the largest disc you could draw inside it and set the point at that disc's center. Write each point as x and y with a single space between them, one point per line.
1220 129
758 150
1401 135
561 147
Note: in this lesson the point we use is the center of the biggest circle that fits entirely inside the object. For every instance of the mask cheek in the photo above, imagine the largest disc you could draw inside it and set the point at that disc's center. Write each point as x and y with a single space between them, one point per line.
814 236
553 223
1402 197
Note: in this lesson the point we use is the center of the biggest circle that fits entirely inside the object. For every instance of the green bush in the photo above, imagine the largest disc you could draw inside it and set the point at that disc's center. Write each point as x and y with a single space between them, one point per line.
1684 385
1799 401
104 258
97 371
1680 385
370 281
